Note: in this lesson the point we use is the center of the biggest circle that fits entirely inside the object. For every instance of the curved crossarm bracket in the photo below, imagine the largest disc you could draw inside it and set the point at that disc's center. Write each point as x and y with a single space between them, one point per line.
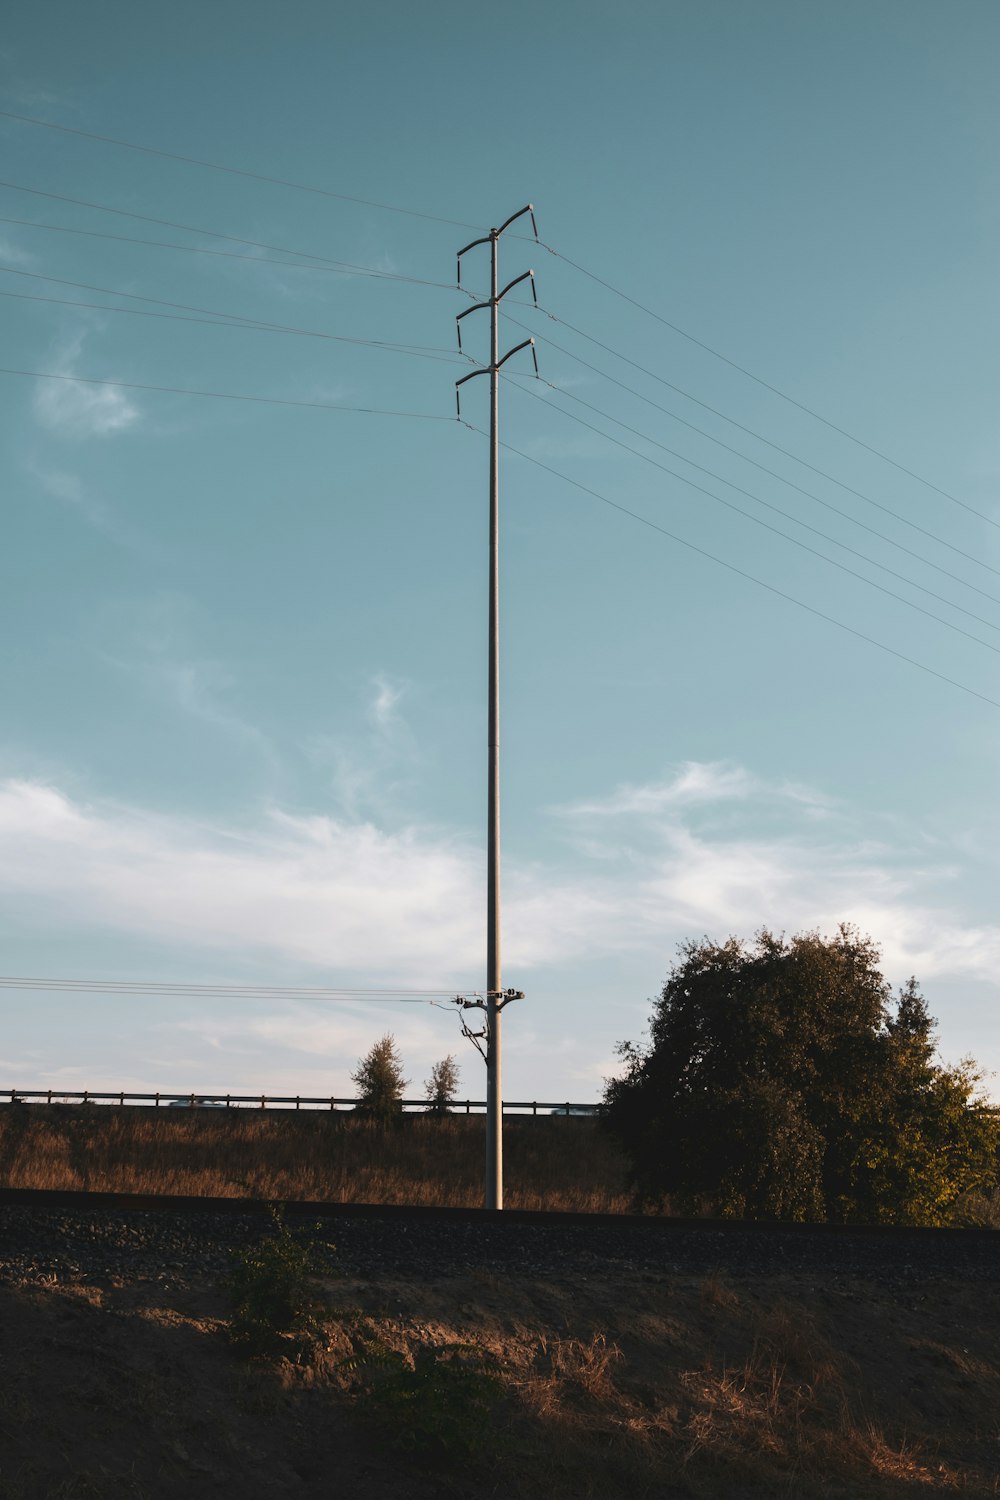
527 209
527 344
525 276
485 240
471 376
479 306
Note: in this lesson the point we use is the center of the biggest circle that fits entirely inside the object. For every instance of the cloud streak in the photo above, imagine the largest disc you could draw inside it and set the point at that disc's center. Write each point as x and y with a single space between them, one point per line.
342 895
71 409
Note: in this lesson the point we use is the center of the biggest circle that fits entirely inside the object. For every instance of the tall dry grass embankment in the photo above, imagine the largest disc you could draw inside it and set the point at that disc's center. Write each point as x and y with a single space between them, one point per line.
549 1163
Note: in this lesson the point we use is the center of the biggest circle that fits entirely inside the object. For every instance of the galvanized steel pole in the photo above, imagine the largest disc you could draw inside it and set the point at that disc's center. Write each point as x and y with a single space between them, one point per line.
494 1094
495 999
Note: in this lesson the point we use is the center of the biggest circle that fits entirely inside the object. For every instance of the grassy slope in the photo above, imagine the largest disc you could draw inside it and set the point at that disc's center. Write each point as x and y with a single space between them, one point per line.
669 1387
665 1387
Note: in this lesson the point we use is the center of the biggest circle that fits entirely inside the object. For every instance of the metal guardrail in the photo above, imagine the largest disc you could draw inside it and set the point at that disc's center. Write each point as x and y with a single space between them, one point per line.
123 1099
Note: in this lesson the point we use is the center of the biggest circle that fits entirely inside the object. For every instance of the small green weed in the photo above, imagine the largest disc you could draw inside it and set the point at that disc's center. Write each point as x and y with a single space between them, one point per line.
272 1288
436 1408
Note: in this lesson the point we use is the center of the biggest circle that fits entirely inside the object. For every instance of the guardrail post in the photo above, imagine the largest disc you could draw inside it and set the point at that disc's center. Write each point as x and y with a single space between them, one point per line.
157 1099
121 1100
227 1101
466 1106
263 1104
86 1096
49 1099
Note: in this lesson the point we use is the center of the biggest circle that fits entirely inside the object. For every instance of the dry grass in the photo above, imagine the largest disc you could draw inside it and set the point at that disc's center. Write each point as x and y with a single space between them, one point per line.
678 1388
550 1163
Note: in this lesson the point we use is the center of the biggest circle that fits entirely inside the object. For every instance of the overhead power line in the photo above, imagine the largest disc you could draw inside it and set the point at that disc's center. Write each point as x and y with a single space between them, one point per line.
775 390
179 989
246 326
226 319
340 267
177 390
214 166
766 525
772 473
771 588
757 499
551 250
787 452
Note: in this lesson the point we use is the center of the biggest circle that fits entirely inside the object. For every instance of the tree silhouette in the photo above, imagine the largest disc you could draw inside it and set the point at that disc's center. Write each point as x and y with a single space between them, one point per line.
380 1082
780 1081
442 1086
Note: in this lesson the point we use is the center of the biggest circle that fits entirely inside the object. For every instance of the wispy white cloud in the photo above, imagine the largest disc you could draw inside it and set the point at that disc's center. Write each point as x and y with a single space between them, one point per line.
200 689
371 770
403 903
71 490
69 408
695 781
13 254
387 695
315 890
159 646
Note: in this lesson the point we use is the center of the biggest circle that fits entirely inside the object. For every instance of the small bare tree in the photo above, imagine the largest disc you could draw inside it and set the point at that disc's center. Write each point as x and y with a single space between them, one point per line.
442 1086
380 1082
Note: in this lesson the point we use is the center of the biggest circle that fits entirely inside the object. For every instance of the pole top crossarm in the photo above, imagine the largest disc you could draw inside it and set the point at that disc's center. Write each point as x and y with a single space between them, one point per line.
494 234
529 208
526 344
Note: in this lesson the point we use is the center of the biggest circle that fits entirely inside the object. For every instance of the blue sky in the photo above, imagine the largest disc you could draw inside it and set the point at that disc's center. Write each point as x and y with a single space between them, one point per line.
243 729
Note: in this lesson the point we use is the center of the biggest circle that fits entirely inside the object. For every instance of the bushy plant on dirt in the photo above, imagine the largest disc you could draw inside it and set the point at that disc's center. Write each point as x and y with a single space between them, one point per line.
276 1304
435 1409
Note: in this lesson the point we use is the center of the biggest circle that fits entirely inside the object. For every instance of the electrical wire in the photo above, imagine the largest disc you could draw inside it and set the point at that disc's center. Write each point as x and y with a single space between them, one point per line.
334 268
216 318
859 494
181 989
175 390
757 521
759 500
341 267
214 166
247 327
550 249
772 473
771 588
775 390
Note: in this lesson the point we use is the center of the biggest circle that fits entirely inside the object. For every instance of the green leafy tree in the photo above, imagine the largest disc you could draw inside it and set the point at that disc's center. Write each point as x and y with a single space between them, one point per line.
781 1081
442 1086
380 1082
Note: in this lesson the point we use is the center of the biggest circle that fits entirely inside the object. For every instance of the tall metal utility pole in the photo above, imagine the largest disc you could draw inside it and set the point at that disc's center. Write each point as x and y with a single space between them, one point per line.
495 997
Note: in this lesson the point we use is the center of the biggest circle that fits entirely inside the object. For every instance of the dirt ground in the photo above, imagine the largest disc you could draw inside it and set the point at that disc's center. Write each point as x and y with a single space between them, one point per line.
665 1386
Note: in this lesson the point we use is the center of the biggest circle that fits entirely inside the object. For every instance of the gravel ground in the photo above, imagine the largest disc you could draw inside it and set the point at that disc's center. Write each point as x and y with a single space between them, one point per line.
97 1244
